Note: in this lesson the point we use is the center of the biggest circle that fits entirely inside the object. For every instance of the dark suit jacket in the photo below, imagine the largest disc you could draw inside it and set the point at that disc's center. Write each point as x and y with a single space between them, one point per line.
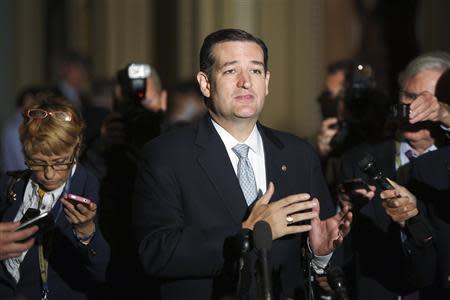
188 202
377 264
431 170
74 269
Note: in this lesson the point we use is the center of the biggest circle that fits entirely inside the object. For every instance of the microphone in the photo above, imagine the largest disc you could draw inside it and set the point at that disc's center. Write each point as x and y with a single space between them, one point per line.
262 239
336 280
244 272
417 226
368 166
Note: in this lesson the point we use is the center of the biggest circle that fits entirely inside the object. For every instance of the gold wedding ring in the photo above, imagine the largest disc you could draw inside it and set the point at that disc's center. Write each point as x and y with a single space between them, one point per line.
289 220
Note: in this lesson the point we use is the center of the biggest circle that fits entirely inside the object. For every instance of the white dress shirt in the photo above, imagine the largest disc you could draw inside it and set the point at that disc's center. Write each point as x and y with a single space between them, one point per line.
255 153
257 159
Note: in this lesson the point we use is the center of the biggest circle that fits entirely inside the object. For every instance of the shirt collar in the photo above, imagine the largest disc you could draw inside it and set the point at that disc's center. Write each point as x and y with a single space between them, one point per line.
254 140
404 146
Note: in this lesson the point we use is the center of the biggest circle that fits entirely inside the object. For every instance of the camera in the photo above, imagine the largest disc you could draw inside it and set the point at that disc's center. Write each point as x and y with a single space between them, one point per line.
359 84
400 111
133 80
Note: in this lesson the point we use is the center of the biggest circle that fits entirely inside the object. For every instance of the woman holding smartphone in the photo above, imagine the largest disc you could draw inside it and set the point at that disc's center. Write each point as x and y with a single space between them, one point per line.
69 256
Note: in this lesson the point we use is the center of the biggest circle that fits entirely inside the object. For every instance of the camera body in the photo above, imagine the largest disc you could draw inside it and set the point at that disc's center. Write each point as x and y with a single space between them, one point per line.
400 111
133 80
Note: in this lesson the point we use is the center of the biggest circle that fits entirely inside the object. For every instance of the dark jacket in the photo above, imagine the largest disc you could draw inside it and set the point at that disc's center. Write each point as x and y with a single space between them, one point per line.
378 264
431 172
74 269
188 204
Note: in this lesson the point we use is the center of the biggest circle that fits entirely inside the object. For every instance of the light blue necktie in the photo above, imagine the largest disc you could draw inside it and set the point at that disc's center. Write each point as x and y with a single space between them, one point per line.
245 173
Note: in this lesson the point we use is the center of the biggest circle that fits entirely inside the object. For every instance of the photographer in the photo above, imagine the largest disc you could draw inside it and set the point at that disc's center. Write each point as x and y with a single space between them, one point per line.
140 104
361 113
388 272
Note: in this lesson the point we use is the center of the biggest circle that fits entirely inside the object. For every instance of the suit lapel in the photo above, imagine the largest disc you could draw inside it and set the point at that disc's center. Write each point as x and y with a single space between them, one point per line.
214 160
275 172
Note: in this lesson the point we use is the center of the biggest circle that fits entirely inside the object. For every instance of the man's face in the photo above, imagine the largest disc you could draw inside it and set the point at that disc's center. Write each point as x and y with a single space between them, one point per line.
334 83
238 83
424 81
154 100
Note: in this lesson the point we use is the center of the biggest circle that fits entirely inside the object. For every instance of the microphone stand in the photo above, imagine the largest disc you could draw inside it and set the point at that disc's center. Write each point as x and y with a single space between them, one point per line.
306 256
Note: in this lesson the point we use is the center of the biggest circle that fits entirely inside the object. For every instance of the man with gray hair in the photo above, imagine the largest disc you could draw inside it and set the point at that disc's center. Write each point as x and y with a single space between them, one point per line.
426 68
407 259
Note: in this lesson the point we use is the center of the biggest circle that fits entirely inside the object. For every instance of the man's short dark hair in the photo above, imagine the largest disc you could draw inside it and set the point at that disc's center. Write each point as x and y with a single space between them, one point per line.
227 35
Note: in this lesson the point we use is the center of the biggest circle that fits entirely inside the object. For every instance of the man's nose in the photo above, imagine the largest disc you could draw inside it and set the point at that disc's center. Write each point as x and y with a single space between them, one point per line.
244 80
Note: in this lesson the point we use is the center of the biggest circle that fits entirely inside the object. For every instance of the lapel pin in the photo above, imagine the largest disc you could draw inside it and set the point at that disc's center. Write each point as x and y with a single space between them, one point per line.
283 168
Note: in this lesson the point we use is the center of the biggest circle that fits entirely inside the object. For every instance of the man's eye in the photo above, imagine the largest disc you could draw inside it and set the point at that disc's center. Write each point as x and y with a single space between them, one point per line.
257 71
59 161
230 71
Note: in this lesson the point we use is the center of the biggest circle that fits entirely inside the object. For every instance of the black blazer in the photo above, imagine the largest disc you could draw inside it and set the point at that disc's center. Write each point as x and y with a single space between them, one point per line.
377 265
431 171
188 202
74 269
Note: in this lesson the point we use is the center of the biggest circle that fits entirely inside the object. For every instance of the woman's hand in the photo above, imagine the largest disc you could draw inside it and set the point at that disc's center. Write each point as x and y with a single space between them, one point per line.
81 216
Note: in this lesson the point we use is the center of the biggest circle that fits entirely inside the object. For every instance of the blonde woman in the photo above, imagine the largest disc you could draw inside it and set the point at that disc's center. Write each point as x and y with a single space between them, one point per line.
70 257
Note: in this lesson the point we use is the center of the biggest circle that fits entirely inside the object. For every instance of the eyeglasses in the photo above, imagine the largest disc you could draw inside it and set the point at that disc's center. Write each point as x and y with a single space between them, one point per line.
56 166
64 166
37 113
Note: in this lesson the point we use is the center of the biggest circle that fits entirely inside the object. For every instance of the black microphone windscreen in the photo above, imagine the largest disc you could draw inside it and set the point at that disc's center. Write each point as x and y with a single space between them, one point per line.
336 280
366 163
262 235
335 277
370 168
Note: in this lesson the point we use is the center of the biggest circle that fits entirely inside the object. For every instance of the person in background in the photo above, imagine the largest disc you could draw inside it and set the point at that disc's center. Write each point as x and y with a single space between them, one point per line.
12 158
69 259
139 110
185 105
384 273
73 84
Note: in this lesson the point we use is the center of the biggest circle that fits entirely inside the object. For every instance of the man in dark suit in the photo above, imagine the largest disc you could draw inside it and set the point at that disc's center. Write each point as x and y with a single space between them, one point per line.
191 198
402 265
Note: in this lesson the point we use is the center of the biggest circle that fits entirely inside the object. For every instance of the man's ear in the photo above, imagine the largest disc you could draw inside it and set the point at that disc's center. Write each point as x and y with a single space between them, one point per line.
163 100
267 82
204 84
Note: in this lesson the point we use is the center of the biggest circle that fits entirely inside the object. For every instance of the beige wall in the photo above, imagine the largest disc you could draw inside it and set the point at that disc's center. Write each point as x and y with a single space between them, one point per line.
302 37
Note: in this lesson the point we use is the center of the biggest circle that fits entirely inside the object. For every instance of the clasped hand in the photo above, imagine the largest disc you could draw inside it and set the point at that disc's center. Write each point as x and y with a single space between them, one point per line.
284 217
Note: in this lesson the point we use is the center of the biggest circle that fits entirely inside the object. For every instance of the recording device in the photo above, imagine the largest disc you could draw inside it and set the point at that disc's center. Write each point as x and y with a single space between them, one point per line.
44 221
140 123
369 167
417 227
336 280
400 111
133 80
359 83
75 199
262 239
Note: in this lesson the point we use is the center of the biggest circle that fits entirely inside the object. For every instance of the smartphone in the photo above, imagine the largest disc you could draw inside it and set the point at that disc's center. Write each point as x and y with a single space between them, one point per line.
75 199
44 221
351 185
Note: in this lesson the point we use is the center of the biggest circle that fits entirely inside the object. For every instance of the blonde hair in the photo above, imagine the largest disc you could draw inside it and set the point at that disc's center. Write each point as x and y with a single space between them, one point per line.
51 136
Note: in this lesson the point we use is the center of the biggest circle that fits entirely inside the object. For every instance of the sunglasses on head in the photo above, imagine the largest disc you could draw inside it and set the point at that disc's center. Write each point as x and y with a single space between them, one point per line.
37 113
